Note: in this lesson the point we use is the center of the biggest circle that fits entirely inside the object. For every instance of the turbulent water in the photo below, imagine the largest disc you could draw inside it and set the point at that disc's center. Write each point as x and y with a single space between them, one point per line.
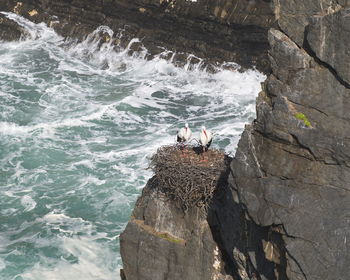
78 123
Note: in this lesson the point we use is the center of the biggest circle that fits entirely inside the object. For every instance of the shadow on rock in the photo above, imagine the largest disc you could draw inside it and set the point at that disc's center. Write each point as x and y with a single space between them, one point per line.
249 251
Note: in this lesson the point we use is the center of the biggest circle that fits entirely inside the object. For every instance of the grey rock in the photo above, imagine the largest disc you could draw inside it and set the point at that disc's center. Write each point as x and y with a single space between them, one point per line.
294 16
296 175
329 37
162 242
9 30
221 243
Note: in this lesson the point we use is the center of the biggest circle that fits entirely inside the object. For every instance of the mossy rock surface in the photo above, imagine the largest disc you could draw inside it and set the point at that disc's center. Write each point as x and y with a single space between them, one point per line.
302 117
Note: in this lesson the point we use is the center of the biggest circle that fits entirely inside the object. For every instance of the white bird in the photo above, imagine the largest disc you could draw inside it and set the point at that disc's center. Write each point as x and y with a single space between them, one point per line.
205 139
184 134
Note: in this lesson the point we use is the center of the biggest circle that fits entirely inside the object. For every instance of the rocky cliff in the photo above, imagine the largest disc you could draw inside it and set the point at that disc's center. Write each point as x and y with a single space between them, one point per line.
163 242
292 165
284 211
219 31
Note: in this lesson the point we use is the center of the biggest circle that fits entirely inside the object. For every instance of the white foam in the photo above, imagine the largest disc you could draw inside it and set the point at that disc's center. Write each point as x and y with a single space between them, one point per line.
65 271
33 31
212 93
2 264
93 259
86 163
3 242
92 180
94 262
7 128
110 112
47 128
28 203
60 218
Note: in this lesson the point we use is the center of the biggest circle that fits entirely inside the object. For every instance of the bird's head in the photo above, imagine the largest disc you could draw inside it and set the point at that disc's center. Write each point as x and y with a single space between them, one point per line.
186 125
203 128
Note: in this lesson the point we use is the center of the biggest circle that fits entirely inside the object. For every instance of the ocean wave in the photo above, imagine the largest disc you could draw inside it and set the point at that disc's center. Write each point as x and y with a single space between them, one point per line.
78 124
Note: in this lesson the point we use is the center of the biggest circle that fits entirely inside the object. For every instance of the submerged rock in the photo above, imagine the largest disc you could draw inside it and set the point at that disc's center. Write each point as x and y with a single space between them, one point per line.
9 30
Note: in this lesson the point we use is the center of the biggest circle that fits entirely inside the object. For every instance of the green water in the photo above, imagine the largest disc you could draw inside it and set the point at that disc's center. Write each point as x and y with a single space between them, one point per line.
78 123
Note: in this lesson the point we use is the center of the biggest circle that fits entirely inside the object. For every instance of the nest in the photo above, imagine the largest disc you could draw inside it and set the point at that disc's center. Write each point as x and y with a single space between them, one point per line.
188 177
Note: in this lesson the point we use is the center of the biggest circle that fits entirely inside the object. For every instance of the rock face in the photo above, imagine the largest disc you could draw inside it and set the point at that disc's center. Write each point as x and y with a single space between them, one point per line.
292 164
162 242
9 30
219 30
329 38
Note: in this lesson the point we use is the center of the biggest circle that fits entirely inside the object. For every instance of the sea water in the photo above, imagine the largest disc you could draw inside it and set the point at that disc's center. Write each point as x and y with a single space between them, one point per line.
78 125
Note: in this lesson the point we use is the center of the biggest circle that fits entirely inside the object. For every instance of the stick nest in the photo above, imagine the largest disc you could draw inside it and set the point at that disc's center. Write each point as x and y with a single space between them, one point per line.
187 177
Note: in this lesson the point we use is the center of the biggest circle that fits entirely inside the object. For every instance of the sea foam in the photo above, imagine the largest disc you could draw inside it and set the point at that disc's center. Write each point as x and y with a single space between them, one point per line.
78 124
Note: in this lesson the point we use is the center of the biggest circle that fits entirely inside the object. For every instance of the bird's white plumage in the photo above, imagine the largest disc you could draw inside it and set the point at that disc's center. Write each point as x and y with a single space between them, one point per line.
205 138
184 134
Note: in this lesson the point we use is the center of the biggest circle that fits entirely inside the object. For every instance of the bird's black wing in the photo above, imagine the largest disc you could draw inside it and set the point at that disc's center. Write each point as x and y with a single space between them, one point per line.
209 143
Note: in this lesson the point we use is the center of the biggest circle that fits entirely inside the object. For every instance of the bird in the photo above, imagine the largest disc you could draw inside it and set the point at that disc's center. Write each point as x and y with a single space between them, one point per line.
205 139
184 134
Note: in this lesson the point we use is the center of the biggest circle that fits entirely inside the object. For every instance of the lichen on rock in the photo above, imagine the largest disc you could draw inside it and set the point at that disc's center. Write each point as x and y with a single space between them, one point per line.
303 118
